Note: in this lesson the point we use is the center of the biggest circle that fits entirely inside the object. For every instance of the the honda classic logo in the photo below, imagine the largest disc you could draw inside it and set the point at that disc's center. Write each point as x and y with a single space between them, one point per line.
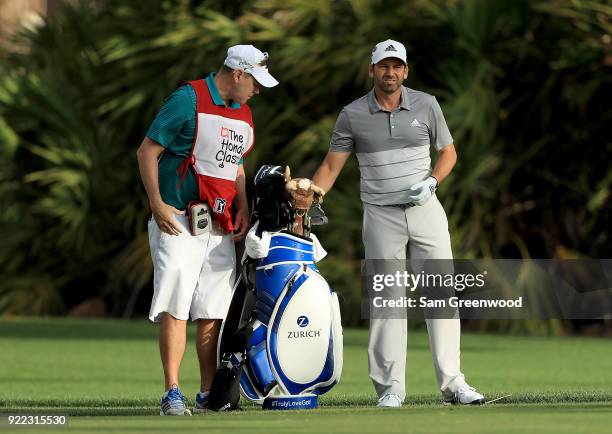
232 147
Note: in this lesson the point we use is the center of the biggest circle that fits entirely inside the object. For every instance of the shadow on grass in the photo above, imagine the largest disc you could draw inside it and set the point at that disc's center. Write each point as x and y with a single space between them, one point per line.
89 407
77 329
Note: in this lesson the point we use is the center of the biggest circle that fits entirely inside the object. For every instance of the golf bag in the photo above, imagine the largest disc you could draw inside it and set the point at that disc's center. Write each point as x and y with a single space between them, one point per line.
281 341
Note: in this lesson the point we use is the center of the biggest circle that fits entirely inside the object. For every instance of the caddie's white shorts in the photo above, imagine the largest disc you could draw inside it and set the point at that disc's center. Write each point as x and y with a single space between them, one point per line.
193 276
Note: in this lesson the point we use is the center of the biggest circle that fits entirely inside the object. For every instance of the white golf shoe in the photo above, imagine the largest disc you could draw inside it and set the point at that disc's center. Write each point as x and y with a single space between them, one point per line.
389 401
466 395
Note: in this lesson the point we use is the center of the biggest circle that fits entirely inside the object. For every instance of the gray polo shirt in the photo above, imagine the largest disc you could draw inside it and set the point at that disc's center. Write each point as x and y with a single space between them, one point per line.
392 147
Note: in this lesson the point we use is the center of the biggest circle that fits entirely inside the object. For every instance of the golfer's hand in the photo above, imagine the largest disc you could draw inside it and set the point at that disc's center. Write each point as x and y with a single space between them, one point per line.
164 216
422 191
241 224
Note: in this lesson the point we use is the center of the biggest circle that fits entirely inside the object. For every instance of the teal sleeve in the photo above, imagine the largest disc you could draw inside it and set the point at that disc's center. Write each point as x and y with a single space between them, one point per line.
177 110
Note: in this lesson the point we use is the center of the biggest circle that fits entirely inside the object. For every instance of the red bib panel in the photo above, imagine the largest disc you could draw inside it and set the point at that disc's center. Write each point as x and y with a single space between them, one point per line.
223 136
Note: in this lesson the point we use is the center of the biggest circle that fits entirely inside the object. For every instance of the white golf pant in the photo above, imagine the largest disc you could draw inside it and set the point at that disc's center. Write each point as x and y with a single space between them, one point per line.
387 230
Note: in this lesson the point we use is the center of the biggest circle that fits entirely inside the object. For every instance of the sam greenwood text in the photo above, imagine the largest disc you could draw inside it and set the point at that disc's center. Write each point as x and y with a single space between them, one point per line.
408 302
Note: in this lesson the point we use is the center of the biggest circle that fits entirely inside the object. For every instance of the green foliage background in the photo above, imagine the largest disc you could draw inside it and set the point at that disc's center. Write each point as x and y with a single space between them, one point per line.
524 86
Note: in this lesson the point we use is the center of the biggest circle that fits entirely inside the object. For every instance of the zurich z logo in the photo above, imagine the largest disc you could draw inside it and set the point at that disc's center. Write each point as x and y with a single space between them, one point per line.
302 321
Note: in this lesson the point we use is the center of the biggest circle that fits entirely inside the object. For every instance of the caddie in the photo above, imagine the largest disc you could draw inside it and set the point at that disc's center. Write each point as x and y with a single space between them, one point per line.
391 131
191 166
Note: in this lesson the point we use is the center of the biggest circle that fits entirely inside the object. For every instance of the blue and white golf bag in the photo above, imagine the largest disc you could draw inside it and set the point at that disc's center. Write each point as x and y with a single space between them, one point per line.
283 330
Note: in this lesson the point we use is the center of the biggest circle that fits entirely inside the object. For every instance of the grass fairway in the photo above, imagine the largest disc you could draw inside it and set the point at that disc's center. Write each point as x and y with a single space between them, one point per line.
588 418
111 370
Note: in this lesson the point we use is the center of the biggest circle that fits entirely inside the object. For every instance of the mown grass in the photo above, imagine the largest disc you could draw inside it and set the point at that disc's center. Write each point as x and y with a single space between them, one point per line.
112 368
511 419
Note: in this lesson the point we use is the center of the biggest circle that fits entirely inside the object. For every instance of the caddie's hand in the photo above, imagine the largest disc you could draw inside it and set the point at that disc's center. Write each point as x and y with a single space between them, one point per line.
241 224
422 191
164 216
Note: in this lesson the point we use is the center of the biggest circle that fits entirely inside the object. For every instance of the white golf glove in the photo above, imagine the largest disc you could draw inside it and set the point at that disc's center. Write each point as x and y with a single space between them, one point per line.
422 191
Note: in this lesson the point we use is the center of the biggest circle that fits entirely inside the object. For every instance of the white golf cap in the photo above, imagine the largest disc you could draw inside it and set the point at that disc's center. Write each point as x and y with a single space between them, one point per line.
251 60
388 48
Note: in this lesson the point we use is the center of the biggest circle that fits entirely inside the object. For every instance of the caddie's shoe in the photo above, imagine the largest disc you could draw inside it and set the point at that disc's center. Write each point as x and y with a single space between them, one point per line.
173 403
201 402
390 401
466 395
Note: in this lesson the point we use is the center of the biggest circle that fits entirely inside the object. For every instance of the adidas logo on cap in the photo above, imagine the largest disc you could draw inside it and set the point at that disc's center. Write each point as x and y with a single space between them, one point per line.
390 48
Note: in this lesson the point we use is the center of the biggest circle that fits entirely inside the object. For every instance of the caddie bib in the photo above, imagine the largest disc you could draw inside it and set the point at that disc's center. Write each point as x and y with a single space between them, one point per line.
223 136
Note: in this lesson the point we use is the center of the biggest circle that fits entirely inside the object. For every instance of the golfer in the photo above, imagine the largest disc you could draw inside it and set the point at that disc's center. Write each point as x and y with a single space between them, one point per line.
391 130
192 155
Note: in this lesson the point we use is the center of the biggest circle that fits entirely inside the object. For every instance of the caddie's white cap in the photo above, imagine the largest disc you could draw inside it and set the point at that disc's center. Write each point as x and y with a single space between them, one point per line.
251 60
388 48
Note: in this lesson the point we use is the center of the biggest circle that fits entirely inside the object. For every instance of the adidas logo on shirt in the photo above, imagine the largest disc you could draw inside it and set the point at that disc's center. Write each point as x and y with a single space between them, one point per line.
415 123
